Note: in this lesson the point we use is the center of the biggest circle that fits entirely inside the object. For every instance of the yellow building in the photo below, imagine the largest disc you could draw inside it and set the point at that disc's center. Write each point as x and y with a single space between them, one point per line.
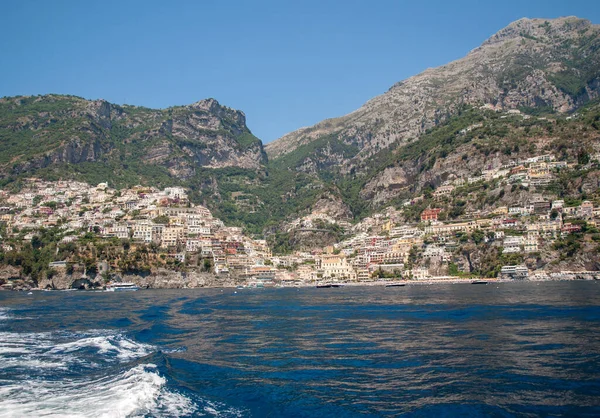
337 266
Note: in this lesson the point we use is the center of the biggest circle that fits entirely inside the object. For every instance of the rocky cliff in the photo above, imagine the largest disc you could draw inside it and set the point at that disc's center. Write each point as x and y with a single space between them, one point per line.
54 132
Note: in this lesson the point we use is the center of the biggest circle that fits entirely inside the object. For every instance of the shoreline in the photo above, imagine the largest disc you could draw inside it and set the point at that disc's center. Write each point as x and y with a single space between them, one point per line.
332 285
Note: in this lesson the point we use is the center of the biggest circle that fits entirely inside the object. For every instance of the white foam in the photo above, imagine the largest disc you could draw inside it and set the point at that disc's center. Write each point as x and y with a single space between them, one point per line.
138 391
36 351
218 409
26 351
123 348
39 386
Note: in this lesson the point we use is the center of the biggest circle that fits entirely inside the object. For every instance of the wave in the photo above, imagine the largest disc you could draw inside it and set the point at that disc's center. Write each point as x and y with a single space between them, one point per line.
139 391
109 345
97 373
48 375
3 314
54 374
34 352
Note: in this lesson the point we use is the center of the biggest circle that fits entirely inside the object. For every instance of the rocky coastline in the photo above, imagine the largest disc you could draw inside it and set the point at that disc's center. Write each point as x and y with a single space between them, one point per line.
12 279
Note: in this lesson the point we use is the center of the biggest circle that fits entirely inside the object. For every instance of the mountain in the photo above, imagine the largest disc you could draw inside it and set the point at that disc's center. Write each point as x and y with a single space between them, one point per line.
531 64
61 135
531 89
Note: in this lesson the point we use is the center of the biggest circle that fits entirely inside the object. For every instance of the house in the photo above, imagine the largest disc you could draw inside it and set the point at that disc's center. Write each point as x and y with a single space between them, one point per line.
569 228
433 251
531 244
430 214
451 228
521 210
418 273
570 210
142 231
443 191
192 244
120 231
586 210
172 235
512 245
509 223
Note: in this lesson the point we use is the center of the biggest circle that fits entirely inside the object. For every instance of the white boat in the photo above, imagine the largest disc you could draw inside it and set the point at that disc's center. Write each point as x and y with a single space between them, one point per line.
121 287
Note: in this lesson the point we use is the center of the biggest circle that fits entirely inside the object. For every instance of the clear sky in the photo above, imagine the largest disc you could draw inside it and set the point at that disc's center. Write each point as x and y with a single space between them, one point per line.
285 63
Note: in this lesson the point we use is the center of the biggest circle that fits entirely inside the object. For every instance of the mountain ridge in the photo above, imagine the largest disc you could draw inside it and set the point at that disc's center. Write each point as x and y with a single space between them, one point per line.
392 111
41 131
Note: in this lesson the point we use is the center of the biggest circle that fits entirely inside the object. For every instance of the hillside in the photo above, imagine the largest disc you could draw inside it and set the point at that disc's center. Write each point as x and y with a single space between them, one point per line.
97 141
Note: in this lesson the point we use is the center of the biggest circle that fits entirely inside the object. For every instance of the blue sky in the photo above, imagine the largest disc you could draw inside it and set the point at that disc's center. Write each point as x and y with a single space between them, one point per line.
286 64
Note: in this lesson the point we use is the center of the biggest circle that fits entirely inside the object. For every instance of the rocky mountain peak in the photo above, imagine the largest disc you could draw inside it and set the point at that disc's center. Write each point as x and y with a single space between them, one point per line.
209 104
541 29
213 107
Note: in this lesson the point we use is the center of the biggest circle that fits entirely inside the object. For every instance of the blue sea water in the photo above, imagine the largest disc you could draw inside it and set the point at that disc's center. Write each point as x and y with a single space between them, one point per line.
508 349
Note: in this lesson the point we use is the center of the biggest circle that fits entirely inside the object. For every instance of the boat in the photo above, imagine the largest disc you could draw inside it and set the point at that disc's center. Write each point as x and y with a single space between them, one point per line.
121 287
479 282
328 285
395 285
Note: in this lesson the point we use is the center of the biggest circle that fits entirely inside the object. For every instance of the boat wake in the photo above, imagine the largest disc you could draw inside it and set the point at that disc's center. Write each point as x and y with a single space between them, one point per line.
31 353
139 391
96 373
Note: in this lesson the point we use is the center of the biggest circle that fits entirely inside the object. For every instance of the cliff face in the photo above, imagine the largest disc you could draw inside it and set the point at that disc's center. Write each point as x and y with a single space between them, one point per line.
532 63
46 131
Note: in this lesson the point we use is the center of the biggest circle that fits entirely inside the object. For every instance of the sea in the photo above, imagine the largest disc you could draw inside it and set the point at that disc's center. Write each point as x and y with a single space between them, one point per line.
443 350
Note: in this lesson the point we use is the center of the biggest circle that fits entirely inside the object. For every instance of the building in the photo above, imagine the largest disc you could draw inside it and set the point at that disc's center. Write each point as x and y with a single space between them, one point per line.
518 272
418 273
569 228
451 228
442 191
586 210
430 214
336 266
512 245
142 231
531 244
171 236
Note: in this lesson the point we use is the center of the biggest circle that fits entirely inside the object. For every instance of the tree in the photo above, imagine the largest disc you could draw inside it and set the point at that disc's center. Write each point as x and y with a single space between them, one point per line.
52 205
477 236
207 264
163 219
583 157
453 269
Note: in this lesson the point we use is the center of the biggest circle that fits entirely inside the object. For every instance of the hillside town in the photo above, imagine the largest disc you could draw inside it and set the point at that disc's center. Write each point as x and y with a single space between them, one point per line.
381 248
